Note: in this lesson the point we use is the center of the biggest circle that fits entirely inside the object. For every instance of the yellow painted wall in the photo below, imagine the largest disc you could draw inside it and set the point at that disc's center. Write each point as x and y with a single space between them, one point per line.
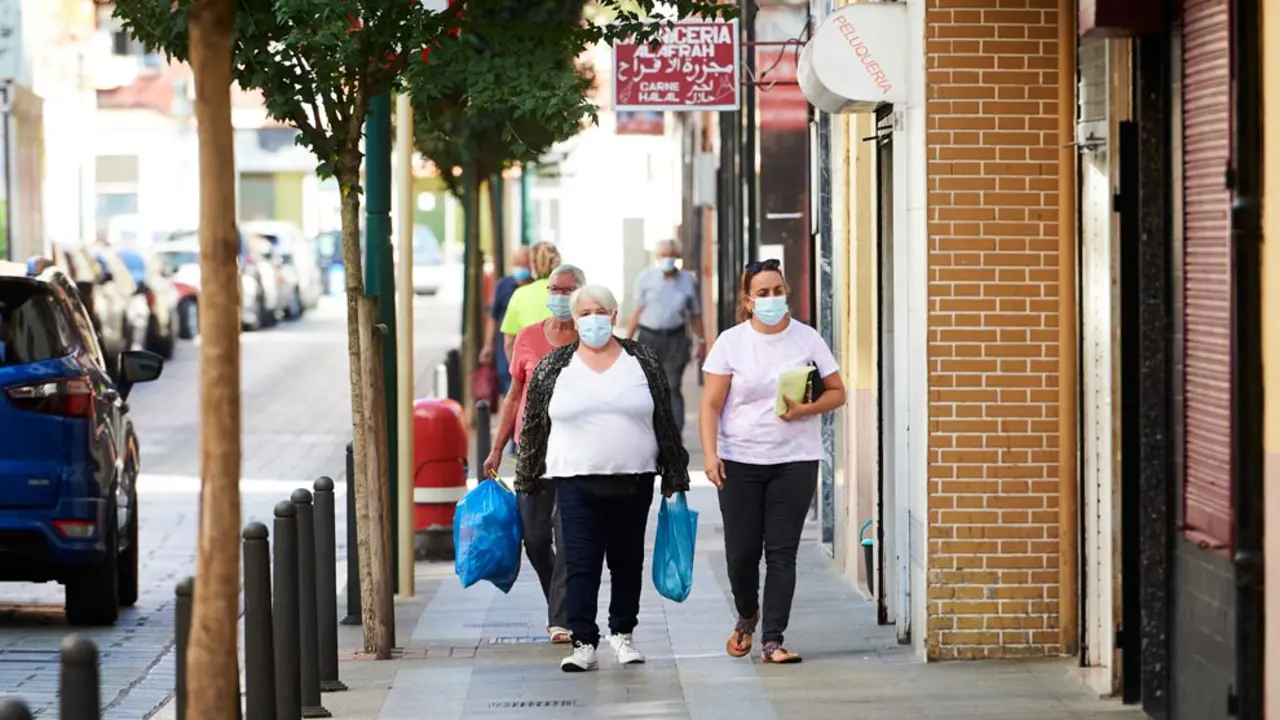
289 205
1271 339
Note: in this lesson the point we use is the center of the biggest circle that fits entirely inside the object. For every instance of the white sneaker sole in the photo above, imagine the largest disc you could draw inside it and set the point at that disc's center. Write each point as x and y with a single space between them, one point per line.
576 668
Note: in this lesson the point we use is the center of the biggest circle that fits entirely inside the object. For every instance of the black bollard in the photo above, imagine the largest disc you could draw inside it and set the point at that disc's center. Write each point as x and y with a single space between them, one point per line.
183 596
453 363
354 612
284 614
327 586
259 653
78 688
483 440
13 708
309 648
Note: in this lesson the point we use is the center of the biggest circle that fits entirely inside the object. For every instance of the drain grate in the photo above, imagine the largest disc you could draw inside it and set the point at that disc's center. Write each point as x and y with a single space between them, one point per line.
518 704
517 639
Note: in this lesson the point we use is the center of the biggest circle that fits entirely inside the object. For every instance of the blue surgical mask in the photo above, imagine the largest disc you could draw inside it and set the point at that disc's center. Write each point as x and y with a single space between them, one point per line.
667 264
521 274
595 330
559 306
770 310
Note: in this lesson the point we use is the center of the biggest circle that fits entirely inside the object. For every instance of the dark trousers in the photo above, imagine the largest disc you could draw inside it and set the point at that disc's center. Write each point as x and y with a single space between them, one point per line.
672 348
540 524
764 509
604 518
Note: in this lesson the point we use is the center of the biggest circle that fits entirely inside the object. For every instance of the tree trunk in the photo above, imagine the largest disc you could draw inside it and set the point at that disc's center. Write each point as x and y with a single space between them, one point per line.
213 670
369 484
473 323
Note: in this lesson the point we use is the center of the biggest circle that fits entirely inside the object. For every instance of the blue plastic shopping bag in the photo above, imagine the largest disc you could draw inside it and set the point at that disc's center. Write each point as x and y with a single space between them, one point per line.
673 548
486 536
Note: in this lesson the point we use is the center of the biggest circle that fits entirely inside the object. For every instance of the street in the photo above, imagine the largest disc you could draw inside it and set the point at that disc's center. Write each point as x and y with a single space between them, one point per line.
296 424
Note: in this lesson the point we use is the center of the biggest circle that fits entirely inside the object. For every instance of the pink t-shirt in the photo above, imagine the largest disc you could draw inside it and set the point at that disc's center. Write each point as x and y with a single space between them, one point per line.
531 345
750 430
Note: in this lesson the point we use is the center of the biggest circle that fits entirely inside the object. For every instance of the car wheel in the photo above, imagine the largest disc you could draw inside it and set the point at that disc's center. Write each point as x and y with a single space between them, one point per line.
128 561
188 319
93 596
265 318
295 305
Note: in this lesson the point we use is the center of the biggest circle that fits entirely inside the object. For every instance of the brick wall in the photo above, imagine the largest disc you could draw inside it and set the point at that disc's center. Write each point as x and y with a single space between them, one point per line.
992 183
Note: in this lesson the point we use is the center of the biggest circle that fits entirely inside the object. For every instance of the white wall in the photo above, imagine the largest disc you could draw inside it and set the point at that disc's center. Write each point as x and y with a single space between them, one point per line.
168 164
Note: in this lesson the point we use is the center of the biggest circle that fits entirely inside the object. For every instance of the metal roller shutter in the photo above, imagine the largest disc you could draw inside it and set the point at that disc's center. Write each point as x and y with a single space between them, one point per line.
1206 292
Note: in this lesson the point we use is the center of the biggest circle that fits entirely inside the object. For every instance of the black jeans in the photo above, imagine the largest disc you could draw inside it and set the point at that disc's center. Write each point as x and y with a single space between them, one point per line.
764 509
673 349
601 517
540 524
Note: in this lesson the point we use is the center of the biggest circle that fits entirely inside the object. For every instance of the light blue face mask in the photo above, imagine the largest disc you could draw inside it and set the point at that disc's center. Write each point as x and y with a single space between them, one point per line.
595 330
521 273
667 264
559 306
770 310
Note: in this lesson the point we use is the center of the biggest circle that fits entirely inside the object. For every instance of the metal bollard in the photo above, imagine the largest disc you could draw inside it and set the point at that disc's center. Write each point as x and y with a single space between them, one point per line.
13 708
78 688
183 596
453 362
259 652
309 648
483 439
354 612
327 585
284 613
442 381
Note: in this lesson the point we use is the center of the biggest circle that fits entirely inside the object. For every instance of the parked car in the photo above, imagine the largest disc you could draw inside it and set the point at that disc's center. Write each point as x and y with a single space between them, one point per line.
161 297
259 279
182 267
430 269
188 306
298 252
137 314
69 456
109 308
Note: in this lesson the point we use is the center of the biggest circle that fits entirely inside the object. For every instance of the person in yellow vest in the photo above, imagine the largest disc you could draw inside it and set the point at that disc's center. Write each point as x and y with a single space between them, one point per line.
528 304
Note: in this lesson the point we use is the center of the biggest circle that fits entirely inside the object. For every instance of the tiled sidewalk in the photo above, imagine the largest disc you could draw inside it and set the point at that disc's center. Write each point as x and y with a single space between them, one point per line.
479 654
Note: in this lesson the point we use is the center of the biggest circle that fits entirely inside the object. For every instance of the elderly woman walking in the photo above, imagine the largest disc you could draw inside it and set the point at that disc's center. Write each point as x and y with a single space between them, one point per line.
598 428
528 304
537 512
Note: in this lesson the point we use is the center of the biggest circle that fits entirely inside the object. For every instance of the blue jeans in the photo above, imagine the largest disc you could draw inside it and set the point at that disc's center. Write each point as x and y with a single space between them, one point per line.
603 517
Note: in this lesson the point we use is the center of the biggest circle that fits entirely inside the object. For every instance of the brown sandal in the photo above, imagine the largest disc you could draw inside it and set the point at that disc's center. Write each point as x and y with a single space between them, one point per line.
775 654
739 644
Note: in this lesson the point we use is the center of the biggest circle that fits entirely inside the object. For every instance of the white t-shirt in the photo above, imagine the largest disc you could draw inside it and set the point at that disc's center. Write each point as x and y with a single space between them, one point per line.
750 430
601 423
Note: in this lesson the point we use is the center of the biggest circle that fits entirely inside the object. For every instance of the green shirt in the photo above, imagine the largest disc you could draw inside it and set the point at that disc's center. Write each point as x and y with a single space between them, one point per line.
528 305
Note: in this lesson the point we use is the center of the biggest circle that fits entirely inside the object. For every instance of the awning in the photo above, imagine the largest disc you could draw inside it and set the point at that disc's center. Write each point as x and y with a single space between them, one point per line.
857 59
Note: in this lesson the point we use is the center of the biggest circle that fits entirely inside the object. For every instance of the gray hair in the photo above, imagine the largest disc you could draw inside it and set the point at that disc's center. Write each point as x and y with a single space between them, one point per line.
668 243
601 294
579 277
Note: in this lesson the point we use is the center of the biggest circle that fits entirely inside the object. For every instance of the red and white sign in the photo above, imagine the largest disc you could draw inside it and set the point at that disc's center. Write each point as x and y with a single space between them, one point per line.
688 66
857 59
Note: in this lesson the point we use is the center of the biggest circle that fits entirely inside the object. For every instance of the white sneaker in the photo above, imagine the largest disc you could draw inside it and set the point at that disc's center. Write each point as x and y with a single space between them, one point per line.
625 650
583 659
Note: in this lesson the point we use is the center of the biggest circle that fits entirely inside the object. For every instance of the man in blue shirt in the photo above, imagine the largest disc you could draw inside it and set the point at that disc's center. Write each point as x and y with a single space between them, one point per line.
493 351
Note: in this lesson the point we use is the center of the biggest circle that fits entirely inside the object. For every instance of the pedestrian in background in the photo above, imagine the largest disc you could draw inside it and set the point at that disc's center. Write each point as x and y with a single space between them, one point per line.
539 521
494 350
528 304
667 311
598 427
765 466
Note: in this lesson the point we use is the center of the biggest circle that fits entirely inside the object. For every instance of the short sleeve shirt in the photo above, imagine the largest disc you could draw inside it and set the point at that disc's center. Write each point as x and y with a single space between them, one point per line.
530 347
750 431
528 305
664 299
502 293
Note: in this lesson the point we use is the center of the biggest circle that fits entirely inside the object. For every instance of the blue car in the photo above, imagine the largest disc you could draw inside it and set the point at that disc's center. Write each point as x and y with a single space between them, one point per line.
68 453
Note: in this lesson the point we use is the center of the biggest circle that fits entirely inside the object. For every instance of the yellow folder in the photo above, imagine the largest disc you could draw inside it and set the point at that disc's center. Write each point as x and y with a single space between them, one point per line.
791 384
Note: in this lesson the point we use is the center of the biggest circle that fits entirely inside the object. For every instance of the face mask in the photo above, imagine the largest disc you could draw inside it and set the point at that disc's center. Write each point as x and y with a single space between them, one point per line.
770 310
595 330
667 264
559 306
520 274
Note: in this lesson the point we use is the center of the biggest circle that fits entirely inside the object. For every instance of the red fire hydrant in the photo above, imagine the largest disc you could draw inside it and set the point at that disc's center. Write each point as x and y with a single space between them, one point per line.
439 475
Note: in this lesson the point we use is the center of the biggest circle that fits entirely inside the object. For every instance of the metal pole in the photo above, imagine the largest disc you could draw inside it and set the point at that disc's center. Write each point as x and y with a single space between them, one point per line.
404 347
78 688
453 363
498 209
259 651
749 143
327 586
182 596
354 611
13 708
284 613
526 203
483 439
308 643
442 381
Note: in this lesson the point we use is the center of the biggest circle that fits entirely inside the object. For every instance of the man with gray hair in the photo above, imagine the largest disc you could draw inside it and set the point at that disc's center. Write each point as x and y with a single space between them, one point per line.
667 309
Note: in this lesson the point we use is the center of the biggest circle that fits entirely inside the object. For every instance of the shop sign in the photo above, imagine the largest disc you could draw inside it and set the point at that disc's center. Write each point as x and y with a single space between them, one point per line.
687 66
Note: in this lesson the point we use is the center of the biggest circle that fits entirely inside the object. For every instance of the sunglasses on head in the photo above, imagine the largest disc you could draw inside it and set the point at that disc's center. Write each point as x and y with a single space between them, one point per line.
761 265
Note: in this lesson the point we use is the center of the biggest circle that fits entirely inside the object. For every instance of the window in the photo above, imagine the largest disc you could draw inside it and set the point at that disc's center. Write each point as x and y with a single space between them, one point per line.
32 327
115 204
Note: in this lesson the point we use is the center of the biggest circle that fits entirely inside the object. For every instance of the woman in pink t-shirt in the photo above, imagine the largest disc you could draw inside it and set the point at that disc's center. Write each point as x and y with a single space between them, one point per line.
765 466
537 512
